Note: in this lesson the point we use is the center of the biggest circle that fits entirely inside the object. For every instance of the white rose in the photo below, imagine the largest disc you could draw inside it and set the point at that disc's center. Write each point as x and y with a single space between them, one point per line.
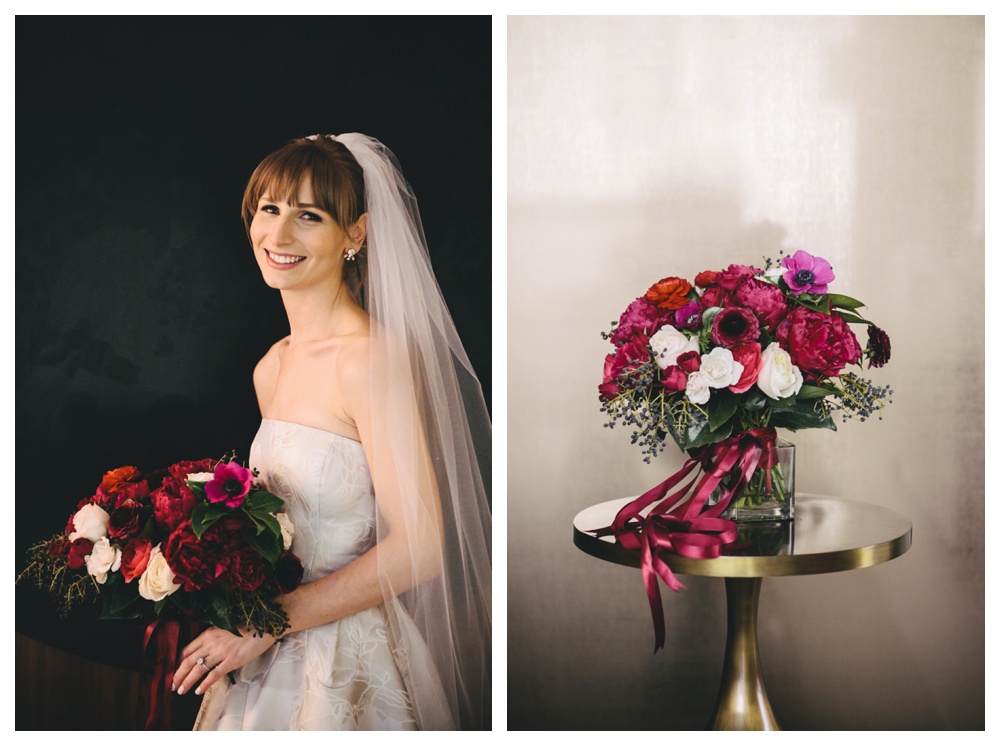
778 377
697 389
669 343
287 530
90 522
720 369
157 582
103 558
201 476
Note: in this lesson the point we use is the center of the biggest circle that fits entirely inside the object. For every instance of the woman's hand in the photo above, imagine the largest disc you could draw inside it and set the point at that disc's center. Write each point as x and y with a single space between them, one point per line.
220 652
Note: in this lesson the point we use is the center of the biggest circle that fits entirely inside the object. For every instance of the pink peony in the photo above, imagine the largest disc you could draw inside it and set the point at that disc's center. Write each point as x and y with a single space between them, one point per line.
819 344
807 273
765 300
231 485
734 326
640 318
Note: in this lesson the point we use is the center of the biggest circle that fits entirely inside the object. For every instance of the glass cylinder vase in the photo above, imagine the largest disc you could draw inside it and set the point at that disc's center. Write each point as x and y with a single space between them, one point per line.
770 493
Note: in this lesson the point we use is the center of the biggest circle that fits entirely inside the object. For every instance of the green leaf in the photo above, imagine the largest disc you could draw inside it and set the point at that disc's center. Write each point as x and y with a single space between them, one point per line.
815 302
802 417
214 610
721 407
204 515
121 599
267 544
753 400
844 301
198 488
815 392
263 502
707 315
852 318
706 436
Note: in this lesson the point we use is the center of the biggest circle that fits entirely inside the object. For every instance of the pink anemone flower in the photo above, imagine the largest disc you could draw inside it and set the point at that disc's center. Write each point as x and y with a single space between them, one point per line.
231 485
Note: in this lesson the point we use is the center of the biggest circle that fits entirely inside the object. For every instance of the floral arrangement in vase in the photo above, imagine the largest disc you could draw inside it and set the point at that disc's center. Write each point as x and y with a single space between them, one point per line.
717 365
198 542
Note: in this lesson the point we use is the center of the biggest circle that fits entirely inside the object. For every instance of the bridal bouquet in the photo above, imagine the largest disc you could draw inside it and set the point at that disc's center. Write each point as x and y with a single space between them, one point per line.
199 539
717 365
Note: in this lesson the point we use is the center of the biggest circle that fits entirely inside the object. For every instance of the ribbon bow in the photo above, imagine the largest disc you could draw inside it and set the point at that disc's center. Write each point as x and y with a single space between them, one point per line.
688 527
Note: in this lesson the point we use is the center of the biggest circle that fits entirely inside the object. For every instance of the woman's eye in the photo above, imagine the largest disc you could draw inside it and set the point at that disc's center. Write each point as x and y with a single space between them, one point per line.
269 209
311 216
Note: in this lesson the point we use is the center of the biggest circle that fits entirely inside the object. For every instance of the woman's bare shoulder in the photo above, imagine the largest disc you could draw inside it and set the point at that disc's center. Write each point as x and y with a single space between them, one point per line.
266 370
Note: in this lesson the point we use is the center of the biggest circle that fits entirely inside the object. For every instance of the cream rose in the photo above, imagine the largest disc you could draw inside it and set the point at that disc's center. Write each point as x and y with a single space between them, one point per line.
287 530
201 476
103 558
90 522
157 582
779 378
720 369
697 388
668 343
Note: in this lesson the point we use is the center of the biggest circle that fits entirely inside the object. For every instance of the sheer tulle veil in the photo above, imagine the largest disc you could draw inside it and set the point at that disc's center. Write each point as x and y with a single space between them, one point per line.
434 436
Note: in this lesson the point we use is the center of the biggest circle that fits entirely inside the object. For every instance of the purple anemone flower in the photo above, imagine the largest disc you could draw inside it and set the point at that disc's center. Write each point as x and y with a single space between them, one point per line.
807 273
231 485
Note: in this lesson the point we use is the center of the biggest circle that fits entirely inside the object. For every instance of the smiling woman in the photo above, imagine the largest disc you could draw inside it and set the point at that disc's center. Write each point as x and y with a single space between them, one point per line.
373 431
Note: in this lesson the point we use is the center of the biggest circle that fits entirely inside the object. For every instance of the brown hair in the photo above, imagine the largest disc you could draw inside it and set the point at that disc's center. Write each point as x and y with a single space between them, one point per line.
338 188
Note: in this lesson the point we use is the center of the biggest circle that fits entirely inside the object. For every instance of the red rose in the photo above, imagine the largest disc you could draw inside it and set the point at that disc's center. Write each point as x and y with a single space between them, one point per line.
125 521
287 572
193 565
182 469
748 354
135 557
669 293
819 344
734 326
673 379
705 279
246 569
78 552
173 502
689 361
765 300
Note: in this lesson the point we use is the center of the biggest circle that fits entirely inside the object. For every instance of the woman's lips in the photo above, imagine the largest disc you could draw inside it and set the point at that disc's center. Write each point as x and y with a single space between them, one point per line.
282 261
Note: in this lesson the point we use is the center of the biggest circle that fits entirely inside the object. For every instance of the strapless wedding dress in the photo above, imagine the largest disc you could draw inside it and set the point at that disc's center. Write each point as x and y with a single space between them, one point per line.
351 674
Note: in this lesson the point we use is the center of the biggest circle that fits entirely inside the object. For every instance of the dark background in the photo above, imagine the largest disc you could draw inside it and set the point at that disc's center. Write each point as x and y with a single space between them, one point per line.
140 311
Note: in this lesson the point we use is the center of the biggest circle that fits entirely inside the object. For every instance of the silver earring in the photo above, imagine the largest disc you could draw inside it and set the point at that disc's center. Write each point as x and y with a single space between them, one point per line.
349 254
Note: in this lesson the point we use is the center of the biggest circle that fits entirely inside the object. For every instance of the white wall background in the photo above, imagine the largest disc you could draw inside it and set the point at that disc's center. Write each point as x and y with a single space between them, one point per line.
645 147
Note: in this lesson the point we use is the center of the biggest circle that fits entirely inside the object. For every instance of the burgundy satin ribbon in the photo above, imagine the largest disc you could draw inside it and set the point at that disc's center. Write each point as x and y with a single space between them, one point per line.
688 528
160 657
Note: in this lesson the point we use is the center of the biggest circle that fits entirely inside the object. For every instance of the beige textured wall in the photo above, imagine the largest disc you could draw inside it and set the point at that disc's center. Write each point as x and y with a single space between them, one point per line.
645 147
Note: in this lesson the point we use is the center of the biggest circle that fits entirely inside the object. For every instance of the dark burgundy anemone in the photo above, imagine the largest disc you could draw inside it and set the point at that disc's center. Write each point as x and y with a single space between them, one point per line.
879 348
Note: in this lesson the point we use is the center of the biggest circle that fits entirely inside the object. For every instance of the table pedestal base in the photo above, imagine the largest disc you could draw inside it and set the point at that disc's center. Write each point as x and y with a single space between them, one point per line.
742 703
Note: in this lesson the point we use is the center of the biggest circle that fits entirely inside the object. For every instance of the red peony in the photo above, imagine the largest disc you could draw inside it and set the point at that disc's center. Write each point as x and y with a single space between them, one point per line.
78 551
714 297
731 278
246 569
193 564
734 326
669 293
125 521
765 300
182 469
173 502
288 572
819 344
626 358
748 354
135 492
135 557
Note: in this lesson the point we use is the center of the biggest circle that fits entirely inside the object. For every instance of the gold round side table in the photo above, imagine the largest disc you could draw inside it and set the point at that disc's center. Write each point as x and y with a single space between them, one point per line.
828 534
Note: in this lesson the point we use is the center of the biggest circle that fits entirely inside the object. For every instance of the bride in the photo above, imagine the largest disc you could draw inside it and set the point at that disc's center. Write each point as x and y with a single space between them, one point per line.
376 436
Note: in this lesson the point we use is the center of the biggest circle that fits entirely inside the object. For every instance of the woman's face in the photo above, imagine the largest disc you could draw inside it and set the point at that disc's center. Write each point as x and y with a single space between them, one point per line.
297 247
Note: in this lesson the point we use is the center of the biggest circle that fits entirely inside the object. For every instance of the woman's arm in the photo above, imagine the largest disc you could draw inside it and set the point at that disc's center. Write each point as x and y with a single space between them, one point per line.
410 552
